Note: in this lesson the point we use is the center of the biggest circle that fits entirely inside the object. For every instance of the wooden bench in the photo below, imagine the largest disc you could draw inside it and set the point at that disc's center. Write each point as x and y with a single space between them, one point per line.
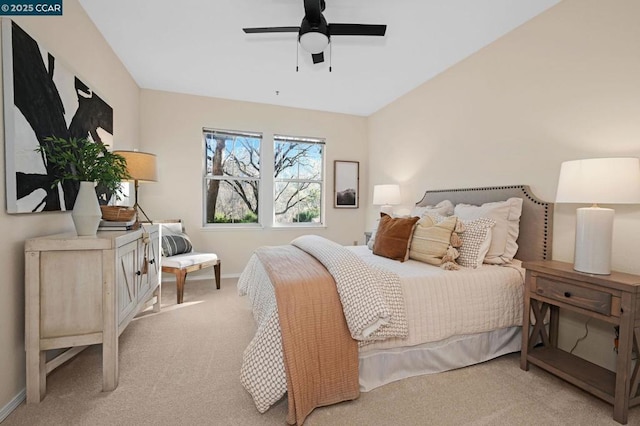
181 264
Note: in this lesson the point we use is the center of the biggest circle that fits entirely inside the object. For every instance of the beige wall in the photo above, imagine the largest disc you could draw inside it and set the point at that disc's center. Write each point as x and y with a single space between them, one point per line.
74 40
563 86
171 126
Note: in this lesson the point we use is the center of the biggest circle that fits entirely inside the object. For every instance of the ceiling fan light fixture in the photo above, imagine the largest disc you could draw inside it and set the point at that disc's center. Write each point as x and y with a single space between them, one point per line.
314 42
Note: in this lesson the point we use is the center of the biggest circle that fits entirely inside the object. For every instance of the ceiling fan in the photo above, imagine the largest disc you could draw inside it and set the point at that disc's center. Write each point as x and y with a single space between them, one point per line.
314 33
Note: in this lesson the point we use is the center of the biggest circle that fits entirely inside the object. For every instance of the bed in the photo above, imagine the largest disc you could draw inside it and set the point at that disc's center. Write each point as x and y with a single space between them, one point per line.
447 319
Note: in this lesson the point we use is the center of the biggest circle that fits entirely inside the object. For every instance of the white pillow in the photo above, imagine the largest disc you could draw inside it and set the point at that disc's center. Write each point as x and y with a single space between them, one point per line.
443 208
476 239
505 232
372 238
171 228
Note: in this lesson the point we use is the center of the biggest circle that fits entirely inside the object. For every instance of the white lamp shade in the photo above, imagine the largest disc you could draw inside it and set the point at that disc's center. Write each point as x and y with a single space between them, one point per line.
600 180
384 195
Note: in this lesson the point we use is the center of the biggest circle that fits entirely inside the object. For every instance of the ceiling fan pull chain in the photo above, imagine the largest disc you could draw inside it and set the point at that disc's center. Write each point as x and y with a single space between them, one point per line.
297 54
330 55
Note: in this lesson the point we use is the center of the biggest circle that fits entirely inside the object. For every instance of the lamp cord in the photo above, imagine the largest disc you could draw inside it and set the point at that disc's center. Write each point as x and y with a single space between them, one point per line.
580 339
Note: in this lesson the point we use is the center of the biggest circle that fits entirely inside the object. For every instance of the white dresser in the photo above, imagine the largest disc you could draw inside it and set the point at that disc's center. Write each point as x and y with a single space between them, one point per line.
83 291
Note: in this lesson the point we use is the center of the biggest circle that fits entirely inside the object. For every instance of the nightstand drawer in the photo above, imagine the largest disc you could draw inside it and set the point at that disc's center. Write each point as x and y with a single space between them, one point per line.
581 297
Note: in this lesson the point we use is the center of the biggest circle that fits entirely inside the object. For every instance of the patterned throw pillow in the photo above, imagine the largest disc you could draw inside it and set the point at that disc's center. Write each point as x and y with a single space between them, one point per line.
476 239
175 244
393 237
431 239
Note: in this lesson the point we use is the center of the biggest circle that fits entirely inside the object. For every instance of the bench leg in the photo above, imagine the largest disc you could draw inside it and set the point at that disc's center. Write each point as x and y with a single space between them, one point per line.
216 269
181 277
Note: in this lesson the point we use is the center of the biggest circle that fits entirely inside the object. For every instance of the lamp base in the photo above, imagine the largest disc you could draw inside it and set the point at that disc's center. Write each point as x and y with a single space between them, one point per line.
387 209
138 209
594 230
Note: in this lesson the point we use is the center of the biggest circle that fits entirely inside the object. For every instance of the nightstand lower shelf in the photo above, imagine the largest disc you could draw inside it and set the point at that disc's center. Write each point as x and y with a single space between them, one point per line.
590 377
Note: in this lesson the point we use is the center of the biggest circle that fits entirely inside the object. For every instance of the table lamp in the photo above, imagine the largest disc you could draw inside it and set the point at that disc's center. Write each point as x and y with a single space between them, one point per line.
386 196
142 167
597 181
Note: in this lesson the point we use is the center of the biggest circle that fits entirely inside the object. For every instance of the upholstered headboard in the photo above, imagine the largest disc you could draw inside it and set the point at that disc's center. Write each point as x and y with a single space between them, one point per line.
536 222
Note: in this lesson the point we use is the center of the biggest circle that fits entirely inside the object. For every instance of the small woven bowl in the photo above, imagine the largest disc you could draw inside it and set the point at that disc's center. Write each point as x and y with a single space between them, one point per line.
117 213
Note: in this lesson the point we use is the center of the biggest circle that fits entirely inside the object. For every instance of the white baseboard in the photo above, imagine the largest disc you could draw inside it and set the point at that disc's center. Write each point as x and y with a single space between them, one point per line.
12 405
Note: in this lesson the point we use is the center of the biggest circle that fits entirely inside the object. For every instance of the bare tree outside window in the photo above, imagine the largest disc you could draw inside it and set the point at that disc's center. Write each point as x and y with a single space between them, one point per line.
232 178
298 167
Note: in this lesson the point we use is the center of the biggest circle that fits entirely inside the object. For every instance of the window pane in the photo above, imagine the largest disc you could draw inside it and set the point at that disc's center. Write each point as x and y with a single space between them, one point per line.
232 176
232 155
297 202
298 169
296 160
232 201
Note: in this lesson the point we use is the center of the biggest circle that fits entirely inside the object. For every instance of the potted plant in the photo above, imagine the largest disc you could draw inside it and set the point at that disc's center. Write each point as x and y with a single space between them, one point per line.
89 163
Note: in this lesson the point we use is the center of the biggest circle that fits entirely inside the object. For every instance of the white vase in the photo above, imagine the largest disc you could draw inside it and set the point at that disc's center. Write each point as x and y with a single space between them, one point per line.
86 211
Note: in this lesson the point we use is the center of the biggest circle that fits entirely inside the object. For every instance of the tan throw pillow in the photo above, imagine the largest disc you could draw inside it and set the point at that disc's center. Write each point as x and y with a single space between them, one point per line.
394 237
431 240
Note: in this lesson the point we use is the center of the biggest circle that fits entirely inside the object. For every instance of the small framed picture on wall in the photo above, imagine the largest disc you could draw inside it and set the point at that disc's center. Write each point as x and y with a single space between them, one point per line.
346 179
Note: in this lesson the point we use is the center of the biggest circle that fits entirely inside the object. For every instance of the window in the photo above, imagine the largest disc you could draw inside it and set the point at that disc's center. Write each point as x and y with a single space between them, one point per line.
232 177
298 180
235 193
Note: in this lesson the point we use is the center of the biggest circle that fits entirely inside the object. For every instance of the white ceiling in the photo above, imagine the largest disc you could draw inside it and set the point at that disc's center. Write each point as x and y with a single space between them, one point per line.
198 47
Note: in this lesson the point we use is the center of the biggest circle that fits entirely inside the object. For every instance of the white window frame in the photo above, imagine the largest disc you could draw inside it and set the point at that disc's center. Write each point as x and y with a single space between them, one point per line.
206 178
321 181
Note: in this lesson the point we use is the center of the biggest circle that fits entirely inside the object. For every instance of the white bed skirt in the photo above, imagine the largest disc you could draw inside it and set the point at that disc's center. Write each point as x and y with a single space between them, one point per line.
381 366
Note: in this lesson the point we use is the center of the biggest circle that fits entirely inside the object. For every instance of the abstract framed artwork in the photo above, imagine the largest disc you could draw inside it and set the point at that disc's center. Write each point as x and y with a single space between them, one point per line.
43 98
346 178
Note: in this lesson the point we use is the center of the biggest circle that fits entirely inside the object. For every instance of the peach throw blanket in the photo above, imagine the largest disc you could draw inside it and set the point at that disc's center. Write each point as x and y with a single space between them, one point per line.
321 358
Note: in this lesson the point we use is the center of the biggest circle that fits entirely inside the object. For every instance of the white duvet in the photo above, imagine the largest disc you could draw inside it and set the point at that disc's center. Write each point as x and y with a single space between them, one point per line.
439 304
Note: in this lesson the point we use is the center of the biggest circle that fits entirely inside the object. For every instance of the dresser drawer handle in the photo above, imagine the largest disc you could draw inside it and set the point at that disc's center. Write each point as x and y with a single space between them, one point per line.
540 291
567 294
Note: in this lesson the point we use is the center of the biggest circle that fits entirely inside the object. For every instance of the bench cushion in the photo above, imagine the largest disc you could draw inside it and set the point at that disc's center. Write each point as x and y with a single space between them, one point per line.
188 259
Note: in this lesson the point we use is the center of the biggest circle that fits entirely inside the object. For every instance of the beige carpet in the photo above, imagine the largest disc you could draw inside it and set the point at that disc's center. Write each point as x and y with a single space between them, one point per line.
181 367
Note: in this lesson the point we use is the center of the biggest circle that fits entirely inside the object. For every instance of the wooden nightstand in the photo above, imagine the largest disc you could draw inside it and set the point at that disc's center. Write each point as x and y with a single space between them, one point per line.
615 298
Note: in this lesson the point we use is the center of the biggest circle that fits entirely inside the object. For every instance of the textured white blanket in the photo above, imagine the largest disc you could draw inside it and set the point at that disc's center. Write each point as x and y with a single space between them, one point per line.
371 298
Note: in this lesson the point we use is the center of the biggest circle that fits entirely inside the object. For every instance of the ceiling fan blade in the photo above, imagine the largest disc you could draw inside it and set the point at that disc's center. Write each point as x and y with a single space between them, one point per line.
313 11
317 57
271 30
357 30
